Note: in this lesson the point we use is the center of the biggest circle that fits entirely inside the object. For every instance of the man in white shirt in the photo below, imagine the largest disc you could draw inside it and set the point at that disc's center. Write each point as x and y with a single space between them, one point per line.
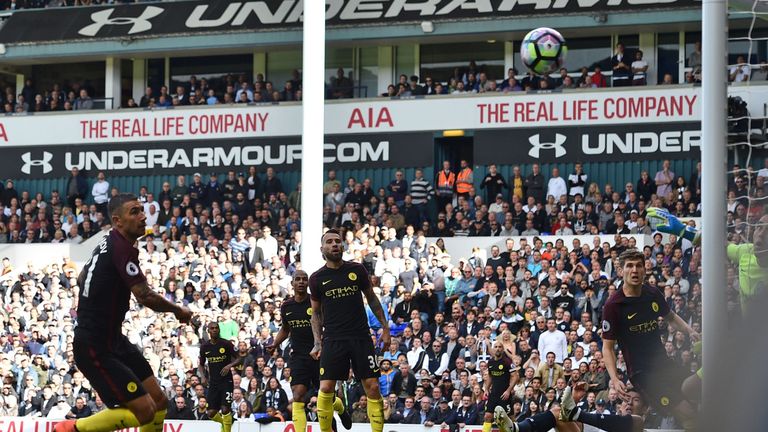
639 69
556 185
740 71
578 357
152 216
764 171
151 203
577 180
60 410
267 243
100 193
553 340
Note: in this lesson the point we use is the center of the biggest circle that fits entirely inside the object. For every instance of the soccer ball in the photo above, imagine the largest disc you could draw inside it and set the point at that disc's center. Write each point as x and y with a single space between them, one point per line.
543 50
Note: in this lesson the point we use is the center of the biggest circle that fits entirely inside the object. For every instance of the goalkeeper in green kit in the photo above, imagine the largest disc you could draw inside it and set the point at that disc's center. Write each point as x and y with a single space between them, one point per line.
748 340
751 259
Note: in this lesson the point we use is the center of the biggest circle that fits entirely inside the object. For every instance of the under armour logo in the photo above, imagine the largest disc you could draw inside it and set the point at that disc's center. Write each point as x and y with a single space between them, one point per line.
535 141
138 24
29 162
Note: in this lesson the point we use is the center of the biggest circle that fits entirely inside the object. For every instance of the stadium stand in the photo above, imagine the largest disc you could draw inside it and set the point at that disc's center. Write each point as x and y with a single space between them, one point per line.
228 249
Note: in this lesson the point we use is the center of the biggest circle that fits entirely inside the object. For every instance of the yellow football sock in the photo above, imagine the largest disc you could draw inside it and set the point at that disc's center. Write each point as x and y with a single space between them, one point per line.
226 421
217 418
325 410
108 420
376 414
157 423
338 405
487 426
299 417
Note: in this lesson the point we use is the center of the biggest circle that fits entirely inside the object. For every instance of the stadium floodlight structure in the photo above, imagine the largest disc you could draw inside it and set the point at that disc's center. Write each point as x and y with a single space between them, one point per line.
313 124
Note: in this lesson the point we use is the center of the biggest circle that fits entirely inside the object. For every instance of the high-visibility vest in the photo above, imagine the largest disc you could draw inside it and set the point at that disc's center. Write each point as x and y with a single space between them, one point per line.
464 181
445 183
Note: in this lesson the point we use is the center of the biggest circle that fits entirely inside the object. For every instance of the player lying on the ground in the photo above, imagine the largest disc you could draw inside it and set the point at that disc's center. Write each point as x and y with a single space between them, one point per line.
305 370
569 416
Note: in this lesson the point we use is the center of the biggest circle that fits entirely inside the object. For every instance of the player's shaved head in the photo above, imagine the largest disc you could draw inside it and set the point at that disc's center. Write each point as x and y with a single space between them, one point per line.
213 329
300 282
331 231
330 247
117 202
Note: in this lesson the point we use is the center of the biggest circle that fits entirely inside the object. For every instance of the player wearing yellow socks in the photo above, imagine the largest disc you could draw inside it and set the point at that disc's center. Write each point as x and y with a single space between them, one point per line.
305 370
115 367
502 377
342 337
221 357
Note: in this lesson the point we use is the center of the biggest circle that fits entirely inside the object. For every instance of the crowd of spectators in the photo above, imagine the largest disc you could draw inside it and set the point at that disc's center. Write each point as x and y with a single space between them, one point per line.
228 250
238 89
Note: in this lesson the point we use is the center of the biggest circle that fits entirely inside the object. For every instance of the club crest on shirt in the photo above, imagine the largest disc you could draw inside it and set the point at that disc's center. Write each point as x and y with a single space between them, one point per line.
131 268
132 387
309 311
655 306
221 350
352 276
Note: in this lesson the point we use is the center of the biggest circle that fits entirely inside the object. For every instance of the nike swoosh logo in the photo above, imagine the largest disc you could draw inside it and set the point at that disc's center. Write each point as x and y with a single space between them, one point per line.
288 313
631 315
326 282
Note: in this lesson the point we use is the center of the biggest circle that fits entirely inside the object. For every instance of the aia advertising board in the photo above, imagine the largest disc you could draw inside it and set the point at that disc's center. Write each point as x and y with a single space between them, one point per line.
601 125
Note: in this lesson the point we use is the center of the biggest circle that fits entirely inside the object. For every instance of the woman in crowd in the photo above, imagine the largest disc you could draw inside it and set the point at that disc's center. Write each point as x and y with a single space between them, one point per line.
275 397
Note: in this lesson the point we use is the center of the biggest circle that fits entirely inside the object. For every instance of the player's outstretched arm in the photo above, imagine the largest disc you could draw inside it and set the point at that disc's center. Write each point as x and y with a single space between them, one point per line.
670 224
317 328
147 297
378 312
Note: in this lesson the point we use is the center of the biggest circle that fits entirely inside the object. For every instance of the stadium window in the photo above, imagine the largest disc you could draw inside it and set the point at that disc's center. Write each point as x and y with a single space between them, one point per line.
281 64
440 60
589 52
336 58
213 68
369 72
668 56
754 48
405 60
90 75
155 74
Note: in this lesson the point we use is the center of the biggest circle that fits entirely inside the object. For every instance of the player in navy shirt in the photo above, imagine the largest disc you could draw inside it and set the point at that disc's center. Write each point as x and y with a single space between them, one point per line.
340 321
221 357
296 312
631 320
116 369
